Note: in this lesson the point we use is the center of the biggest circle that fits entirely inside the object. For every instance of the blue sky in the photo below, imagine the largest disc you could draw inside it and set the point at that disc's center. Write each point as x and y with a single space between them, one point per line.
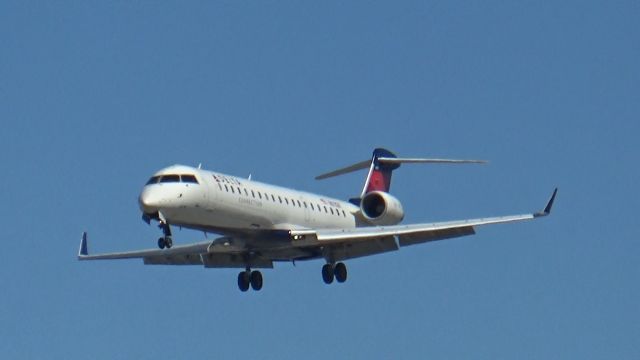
96 96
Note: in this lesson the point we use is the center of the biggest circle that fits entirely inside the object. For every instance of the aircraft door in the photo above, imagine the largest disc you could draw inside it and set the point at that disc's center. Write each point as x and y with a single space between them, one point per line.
210 194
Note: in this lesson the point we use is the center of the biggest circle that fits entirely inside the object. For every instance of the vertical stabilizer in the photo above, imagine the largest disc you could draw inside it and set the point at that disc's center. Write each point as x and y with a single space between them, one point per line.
379 177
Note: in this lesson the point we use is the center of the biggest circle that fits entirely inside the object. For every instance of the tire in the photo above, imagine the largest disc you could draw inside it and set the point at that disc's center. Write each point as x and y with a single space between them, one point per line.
256 280
243 281
341 272
327 273
161 243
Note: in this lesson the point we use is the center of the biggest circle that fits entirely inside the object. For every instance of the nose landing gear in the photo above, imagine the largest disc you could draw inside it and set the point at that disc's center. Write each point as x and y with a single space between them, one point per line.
166 241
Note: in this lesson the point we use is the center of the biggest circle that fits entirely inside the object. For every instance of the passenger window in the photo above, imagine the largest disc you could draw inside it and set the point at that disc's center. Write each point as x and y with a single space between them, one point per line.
190 179
170 179
273 198
253 194
279 198
226 187
331 210
299 205
153 180
232 191
286 200
259 195
325 210
305 204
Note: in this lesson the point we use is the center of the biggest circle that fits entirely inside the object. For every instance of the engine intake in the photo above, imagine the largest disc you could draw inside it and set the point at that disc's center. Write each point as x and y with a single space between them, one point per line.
380 208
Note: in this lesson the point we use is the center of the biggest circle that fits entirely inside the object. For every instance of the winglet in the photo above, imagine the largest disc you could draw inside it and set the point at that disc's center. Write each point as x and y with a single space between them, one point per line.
83 246
547 209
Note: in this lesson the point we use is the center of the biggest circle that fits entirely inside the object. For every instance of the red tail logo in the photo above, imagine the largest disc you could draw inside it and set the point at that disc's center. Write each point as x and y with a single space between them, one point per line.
379 181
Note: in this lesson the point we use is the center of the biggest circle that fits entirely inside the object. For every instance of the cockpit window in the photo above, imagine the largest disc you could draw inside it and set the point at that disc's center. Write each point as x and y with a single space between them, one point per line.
173 178
191 179
170 178
153 180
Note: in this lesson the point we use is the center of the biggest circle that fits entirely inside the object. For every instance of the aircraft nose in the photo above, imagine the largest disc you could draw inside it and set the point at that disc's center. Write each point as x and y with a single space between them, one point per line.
149 201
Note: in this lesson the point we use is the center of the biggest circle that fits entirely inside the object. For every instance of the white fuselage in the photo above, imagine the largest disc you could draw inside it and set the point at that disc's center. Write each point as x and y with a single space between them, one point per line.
217 202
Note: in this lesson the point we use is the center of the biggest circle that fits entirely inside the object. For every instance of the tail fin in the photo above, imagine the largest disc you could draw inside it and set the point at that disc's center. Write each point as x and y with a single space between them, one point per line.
381 166
379 177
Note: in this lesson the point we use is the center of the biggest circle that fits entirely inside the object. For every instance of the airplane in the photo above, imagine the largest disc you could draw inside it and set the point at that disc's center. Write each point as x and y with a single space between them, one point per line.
261 224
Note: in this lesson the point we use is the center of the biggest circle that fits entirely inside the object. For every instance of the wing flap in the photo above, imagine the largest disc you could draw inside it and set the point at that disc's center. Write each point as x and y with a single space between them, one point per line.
344 251
184 259
433 235
217 260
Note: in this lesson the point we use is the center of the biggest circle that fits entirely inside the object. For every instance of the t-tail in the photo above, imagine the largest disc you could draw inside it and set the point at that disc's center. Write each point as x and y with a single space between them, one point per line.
381 167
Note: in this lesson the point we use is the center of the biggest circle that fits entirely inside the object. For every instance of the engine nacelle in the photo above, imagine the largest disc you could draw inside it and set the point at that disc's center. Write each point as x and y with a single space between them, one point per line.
380 208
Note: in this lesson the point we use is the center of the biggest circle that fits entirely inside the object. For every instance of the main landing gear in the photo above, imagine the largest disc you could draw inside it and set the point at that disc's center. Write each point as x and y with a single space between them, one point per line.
253 279
331 271
166 241
250 278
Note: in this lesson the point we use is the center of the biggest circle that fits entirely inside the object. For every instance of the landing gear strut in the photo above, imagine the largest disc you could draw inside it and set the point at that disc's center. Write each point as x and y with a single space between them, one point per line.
166 241
331 271
250 278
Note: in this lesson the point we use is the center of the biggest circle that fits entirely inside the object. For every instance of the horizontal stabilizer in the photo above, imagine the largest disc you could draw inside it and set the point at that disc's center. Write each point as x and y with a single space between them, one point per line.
345 170
428 161
394 161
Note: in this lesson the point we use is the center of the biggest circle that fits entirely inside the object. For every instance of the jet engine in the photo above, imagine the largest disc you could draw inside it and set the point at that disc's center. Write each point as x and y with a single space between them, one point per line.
380 208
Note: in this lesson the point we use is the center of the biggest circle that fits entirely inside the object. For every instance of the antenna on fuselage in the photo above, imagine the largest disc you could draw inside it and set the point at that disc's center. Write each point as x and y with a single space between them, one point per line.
199 166
249 177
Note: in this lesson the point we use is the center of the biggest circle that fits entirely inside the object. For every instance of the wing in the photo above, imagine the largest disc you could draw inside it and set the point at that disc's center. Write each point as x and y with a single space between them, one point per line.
341 244
219 253
301 244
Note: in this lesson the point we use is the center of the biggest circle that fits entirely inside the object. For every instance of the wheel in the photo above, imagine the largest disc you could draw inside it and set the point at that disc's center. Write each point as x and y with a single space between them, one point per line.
243 281
168 242
256 280
161 243
341 272
327 273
